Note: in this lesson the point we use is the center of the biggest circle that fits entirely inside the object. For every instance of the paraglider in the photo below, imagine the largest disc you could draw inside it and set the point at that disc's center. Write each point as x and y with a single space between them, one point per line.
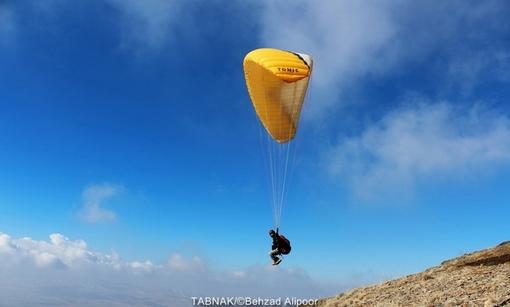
277 81
280 246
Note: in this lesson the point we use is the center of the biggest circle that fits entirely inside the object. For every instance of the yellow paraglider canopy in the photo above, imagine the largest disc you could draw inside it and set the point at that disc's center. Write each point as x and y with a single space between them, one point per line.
277 81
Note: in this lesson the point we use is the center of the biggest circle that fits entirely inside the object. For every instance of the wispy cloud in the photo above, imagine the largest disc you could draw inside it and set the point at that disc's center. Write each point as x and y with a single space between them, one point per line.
420 141
354 40
148 24
93 198
347 39
432 49
7 25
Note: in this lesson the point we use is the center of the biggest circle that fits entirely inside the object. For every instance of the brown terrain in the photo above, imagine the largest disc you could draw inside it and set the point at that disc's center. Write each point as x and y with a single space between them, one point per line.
480 279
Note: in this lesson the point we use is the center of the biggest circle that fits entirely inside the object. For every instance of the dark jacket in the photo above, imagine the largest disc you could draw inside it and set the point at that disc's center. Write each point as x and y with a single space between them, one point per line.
276 241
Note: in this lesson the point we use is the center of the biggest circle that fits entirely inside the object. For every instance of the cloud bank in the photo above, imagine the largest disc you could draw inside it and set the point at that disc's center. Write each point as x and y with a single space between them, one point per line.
75 274
59 252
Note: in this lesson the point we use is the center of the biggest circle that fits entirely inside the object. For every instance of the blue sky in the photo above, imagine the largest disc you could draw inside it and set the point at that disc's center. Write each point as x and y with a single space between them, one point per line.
130 153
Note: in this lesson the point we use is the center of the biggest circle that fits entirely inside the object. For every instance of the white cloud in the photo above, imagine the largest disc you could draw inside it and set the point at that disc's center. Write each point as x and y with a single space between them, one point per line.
345 38
64 272
93 198
262 278
422 141
143 267
436 48
178 262
353 40
346 34
58 252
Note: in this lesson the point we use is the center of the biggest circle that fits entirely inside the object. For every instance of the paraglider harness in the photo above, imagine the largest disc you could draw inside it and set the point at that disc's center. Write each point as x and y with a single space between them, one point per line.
282 243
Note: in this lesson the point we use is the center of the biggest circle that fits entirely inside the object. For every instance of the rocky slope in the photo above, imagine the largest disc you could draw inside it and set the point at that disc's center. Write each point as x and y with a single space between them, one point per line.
478 279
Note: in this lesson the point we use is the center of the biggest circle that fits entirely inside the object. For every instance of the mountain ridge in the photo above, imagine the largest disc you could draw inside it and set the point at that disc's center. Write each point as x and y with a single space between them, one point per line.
481 278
